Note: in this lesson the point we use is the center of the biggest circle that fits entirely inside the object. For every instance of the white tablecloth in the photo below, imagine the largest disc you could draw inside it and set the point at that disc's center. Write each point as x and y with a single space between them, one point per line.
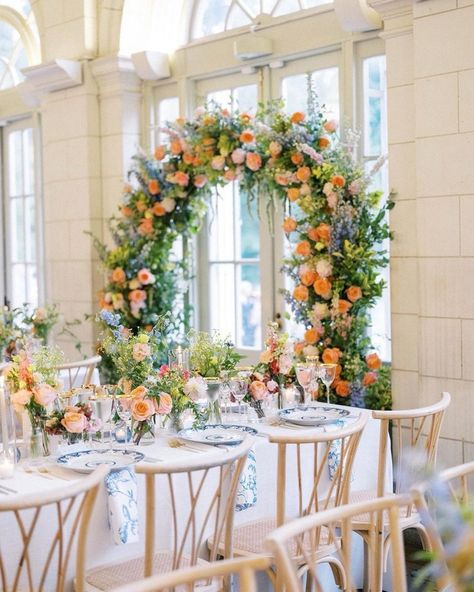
101 549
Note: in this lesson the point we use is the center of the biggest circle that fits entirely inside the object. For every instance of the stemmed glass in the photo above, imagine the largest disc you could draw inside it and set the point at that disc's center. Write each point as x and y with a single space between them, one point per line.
102 405
305 375
123 407
327 374
239 388
224 392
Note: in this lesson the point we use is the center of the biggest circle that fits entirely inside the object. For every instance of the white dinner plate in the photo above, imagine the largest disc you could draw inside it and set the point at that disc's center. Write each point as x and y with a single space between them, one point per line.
312 415
85 461
217 434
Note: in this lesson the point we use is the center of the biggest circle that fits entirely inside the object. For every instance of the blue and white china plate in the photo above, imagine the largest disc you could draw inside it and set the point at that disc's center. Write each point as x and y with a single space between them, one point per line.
85 461
312 415
217 434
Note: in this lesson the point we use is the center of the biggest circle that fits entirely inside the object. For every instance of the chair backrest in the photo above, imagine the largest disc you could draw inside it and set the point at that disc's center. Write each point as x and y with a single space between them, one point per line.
75 374
199 495
411 429
194 577
317 491
442 501
33 557
298 543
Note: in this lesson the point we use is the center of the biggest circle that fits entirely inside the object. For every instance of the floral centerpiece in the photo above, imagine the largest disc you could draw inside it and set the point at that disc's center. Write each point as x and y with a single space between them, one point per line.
275 369
41 320
33 383
9 332
73 423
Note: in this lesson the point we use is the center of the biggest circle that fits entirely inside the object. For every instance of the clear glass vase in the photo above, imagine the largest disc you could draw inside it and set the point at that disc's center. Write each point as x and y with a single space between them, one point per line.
175 422
213 410
8 450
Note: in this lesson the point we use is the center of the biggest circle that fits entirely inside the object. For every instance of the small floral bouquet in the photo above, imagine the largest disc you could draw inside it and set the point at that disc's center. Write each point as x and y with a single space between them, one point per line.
33 383
210 354
73 423
9 332
275 369
41 321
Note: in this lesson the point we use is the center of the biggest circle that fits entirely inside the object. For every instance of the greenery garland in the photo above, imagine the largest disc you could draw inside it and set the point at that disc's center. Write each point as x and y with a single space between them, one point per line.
335 225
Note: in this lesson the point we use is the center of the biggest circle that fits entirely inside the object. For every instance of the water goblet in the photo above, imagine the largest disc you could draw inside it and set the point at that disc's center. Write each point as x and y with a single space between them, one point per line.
305 375
239 388
327 374
123 407
102 407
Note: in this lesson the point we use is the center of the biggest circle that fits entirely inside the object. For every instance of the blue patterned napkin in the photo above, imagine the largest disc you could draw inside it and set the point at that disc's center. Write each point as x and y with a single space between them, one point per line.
334 455
247 487
122 496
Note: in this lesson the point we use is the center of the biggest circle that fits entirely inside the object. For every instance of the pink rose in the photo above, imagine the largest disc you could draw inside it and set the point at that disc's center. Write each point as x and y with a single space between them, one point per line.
165 405
218 162
258 390
354 187
253 161
142 409
200 181
332 200
272 386
141 351
145 277
44 394
20 399
230 175
238 156
330 126
74 422
168 204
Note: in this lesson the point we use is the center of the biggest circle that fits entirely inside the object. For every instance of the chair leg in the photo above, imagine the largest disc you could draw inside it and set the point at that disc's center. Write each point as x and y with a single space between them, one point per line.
338 572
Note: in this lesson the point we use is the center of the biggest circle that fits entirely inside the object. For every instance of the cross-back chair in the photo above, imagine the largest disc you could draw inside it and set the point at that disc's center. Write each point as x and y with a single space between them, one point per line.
243 572
303 537
441 502
37 559
186 501
314 491
75 374
411 430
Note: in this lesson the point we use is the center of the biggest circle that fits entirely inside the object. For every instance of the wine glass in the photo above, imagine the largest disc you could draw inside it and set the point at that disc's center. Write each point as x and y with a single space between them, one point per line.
239 388
102 407
305 375
224 392
123 407
327 374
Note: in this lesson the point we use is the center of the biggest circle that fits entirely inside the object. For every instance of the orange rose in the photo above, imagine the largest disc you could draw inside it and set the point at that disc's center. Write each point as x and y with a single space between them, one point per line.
118 275
343 388
369 378
293 193
247 137
181 178
188 158
303 248
331 355
308 277
297 117
338 181
145 276
343 306
158 209
160 152
141 206
289 225
140 391
154 187
75 423
323 287
142 409
137 295
301 293
321 233
303 174
175 147
323 142
245 117
311 336
297 158
354 293
146 226
299 347
126 211
373 361
208 120
253 161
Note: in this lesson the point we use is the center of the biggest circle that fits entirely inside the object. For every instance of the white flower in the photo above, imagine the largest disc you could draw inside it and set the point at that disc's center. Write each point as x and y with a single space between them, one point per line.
328 188
168 204
310 350
323 268
285 363
195 388
320 310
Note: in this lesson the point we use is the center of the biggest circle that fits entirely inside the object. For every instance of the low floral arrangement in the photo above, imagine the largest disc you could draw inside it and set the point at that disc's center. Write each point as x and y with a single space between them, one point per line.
211 354
41 321
9 332
73 423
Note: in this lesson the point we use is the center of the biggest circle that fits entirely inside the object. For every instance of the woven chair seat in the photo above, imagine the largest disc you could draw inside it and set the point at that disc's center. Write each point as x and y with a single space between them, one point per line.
365 522
105 578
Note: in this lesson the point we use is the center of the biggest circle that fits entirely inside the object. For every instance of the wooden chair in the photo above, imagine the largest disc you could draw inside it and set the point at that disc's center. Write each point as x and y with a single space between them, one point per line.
307 489
411 430
194 497
75 374
243 570
440 500
41 557
296 545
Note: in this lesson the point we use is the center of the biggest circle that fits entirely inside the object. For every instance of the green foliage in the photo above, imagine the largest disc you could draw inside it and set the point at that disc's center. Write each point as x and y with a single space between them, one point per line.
210 354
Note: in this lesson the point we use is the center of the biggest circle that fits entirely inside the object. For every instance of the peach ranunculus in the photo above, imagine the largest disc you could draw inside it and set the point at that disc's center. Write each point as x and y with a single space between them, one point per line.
218 162
293 193
181 178
373 361
141 351
139 392
165 405
74 422
312 335
247 137
369 378
307 275
258 390
289 225
331 355
168 204
126 211
199 181
188 157
275 148
265 356
324 268
330 126
343 388
118 275
283 179
303 174
158 209
253 161
145 277
323 287
175 147
343 306
338 181
299 346
137 295
141 205
146 226
142 409
154 187
160 152
303 248
354 293
44 394
321 233
301 293
320 311
297 117
20 399
231 174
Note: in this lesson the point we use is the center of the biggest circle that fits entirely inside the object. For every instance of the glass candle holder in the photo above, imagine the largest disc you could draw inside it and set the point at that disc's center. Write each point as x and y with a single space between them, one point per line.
8 452
179 357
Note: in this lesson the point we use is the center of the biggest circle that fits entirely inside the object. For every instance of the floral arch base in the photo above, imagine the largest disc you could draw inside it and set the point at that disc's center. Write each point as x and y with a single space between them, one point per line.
335 226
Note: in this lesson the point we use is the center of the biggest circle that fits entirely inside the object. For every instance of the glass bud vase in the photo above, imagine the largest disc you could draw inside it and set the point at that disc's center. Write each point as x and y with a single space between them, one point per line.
175 422
8 450
213 410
